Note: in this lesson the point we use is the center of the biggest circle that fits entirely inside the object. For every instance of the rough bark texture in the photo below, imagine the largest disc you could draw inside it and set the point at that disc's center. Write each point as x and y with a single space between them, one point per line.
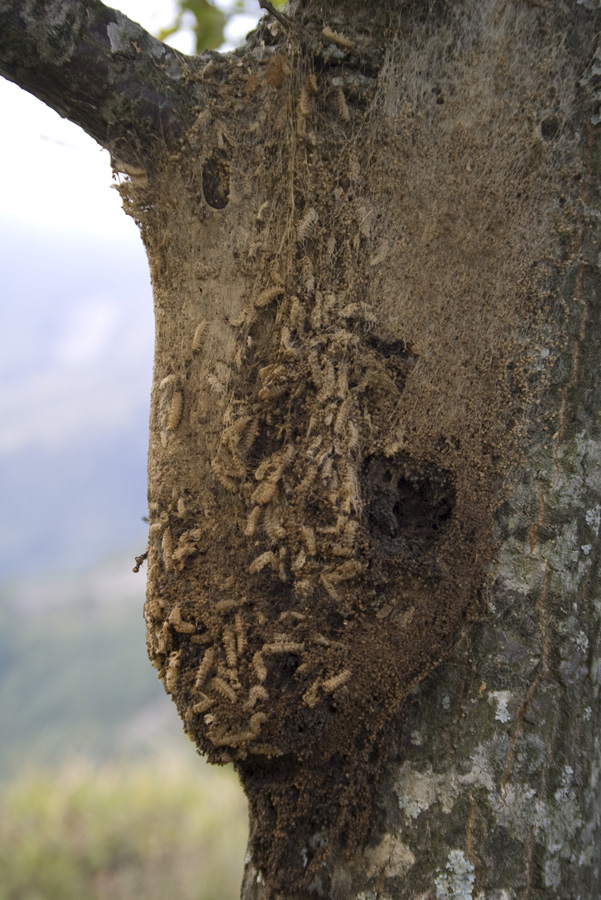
374 444
102 71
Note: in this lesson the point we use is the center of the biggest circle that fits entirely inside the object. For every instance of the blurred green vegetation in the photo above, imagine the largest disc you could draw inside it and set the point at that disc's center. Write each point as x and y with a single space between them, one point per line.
101 794
155 830
75 680
209 20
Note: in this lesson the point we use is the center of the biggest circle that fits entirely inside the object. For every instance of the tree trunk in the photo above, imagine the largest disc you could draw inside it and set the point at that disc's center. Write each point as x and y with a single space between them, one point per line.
374 483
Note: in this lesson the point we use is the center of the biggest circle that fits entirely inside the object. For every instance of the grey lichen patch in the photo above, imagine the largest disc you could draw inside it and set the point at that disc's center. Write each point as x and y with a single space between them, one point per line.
59 33
593 519
417 791
457 882
518 809
128 39
501 699
120 34
373 895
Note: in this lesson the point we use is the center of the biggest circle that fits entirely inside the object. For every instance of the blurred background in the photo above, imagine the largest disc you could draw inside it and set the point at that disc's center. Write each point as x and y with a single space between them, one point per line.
101 795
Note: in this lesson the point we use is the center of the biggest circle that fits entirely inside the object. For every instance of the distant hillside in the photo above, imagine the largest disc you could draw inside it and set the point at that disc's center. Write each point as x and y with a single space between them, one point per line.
75 371
74 676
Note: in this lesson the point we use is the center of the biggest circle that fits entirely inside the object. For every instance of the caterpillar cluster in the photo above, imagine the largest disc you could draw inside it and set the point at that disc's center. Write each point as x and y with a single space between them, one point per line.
295 418
313 359
228 688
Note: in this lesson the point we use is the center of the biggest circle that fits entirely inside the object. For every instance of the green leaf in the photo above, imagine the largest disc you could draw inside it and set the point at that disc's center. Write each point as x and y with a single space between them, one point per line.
209 21
208 27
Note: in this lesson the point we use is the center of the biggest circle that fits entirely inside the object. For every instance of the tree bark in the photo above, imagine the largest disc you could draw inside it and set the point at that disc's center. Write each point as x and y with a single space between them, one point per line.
102 71
374 470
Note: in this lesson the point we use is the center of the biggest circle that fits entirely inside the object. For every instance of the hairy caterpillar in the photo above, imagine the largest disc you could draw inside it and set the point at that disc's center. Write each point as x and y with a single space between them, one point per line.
175 411
256 720
167 547
268 295
259 666
172 671
283 647
265 559
273 526
306 226
265 492
307 275
297 315
205 668
203 704
343 110
310 695
222 477
303 102
262 210
311 84
253 521
331 684
232 738
223 688
230 647
200 336
216 386
343 414
240 631
337 38
309 536
256 694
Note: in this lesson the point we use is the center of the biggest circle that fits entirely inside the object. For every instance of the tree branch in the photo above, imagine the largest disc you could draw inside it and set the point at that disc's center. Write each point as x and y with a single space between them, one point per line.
99 69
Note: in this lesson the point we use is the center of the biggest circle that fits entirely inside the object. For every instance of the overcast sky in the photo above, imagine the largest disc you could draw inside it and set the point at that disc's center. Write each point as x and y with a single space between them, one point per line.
69 256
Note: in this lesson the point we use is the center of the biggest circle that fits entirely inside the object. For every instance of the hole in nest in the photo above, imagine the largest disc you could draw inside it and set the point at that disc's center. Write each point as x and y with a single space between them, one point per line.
392 349
550 128
396 356
216 179
409 505
265 445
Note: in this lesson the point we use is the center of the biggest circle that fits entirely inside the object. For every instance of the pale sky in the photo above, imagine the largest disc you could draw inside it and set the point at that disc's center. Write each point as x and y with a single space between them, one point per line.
76 335
69 255
54 175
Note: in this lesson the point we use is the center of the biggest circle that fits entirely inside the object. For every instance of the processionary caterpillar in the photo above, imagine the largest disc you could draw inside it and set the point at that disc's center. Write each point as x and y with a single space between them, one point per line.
175 411
200 336
306 226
